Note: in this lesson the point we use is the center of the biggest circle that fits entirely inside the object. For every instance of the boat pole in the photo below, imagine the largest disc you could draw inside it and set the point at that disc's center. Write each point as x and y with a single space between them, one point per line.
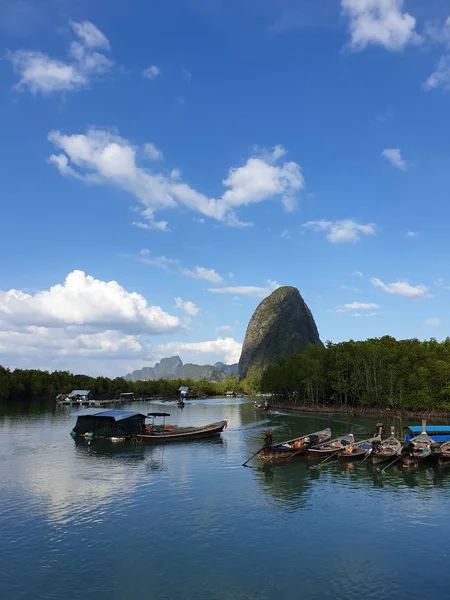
327 458
253 455
391 463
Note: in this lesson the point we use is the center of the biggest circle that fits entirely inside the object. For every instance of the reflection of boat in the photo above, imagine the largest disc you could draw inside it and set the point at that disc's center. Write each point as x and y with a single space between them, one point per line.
332 447
386 449
159 434
362 448
297 446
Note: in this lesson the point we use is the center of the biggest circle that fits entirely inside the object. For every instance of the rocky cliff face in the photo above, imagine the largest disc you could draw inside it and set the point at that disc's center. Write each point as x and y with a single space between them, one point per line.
282 325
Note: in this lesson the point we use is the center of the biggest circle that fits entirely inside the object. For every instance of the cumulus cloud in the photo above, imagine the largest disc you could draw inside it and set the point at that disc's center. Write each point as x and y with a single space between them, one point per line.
225 329
186 306
394 156
339 232
226 349
38 72
104 158
380 22
151 72
203 273
247 290
403 288
84 301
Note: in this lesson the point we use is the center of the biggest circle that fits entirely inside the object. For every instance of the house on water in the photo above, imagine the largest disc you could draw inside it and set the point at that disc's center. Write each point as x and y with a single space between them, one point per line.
184 392
80 396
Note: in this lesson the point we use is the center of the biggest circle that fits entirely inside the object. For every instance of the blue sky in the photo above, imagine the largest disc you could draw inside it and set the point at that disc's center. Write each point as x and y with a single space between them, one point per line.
166 165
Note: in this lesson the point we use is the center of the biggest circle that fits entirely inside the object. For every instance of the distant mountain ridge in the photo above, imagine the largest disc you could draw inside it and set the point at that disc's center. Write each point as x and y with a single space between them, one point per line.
173 368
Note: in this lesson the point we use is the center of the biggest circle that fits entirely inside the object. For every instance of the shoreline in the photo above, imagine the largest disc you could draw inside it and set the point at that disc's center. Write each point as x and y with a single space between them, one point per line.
363 412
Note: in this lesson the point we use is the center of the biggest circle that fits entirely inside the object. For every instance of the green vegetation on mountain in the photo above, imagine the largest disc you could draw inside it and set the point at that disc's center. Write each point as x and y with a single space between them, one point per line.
282 325
376 373
173 368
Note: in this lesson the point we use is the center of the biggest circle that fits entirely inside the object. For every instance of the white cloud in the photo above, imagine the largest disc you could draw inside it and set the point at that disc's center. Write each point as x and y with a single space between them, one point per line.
394 156
441 76
163 262
153 152
225 329
248 290
437 33
350 288
188 307
103 157
410 234
433 322
84 301
90 35
343 231
227 350
380 22
285 235
38 72
152 225
151 72
403 288
358 274
203 273
359 306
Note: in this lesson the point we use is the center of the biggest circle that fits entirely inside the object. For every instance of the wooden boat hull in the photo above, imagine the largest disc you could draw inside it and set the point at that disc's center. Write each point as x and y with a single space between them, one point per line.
282 452
357 454
182 434
380 458
329 448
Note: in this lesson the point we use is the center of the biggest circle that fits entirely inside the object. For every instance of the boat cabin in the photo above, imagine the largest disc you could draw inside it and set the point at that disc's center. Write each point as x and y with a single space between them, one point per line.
107 424
438 433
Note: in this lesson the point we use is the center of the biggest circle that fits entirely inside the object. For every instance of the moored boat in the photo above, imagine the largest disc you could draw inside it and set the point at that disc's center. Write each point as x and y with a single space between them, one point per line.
438 433
384 450
417 450
363 448
442 454
295 447
332 447
162 433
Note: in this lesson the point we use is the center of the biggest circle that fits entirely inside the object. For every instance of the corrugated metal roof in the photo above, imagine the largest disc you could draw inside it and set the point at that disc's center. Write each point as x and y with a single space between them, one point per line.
79 393
117 415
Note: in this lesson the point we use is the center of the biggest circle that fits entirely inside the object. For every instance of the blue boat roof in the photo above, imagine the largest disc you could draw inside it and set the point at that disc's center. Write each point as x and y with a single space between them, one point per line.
117 415
429 428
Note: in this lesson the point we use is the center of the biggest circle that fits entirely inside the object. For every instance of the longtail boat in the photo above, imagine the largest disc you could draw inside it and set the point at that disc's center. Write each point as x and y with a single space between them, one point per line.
384 450
332 447
160 434
362 448
417 450
297 446
442 454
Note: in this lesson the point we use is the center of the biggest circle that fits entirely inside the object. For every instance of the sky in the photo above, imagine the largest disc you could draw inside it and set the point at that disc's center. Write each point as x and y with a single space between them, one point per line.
167 165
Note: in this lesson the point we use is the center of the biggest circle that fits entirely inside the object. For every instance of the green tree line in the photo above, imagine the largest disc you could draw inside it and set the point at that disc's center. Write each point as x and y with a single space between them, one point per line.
22 385
380 373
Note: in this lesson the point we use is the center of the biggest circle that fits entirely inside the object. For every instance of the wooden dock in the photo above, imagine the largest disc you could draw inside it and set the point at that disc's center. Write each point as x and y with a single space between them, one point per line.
102 402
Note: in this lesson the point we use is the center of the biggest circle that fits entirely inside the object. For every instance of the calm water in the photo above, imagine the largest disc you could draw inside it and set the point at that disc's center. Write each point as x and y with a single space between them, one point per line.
187 521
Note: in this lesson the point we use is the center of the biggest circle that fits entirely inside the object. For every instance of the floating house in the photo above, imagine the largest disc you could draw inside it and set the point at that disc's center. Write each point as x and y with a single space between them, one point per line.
184 392
230 394
126 396
61 397
79 396
115 425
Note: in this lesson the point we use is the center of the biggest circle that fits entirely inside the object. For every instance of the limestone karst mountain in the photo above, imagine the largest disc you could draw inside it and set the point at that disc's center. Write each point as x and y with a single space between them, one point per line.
281 325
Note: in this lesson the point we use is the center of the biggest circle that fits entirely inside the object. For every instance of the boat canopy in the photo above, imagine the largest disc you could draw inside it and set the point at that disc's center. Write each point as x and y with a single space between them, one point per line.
155 414
117 415
429 428
438 433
